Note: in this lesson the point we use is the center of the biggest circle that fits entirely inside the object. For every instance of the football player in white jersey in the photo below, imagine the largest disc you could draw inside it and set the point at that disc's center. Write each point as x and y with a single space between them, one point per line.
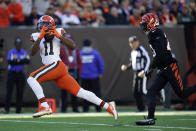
48 41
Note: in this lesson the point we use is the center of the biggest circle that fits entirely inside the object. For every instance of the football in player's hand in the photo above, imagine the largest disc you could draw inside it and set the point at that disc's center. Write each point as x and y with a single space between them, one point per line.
51 32
141 74
123 67
48 36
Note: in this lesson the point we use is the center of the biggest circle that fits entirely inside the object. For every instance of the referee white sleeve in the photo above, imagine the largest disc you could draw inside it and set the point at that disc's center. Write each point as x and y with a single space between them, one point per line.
145 53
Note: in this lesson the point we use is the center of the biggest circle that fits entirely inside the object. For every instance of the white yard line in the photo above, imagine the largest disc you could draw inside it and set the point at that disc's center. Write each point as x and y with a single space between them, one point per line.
152 129
186 119
97 124
102 114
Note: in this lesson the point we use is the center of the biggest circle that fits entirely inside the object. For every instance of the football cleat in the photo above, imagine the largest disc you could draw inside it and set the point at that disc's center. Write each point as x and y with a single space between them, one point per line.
146 122
43 111
112 110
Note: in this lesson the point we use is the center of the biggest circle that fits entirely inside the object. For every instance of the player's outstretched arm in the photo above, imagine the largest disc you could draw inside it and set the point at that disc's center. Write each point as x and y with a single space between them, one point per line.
68 42
35 47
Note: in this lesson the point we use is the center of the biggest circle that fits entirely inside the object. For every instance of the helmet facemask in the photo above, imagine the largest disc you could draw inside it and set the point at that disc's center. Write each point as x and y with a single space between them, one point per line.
149 22
144 26
41 24
46 20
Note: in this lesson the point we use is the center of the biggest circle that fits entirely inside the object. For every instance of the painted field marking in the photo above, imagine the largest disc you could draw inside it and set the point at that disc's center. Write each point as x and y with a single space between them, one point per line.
186 119
97 124
102 114
152 129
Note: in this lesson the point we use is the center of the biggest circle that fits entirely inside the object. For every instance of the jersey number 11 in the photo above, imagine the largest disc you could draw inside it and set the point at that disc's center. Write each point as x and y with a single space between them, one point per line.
46 48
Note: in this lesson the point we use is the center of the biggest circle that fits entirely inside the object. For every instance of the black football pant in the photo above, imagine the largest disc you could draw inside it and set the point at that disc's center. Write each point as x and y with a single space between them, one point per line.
18 79
139 90
169 74
94 86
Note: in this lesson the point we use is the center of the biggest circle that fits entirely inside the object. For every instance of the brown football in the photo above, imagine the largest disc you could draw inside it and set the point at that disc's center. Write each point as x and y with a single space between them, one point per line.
48 37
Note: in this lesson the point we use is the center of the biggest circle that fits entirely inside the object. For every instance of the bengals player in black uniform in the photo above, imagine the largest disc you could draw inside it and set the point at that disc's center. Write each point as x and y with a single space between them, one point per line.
163 60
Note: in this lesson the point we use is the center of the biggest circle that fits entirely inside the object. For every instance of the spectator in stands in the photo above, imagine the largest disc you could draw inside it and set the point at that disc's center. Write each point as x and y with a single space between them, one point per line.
17 58
82 3
67 3
192 6
185 16
16 13
175 5
33 18
42 5
139 5
105 9
4 15
156 5
69 19
85 9
72 60
50 12
113 3
95 4
146 3
125 9
99 18
114 18
92 71
168 19
87 16
57 9
74 9
151 10
27 6
135 19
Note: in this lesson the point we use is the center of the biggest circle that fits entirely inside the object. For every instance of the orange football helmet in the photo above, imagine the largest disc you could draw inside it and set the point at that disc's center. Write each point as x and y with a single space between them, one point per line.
149 21
45 20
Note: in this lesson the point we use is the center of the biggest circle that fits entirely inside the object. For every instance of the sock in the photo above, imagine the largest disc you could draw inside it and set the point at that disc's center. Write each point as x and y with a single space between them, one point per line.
36 87
91 97
151 113
104 105
43 102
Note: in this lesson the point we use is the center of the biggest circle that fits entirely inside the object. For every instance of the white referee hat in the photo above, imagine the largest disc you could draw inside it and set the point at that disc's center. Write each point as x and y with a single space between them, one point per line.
132 39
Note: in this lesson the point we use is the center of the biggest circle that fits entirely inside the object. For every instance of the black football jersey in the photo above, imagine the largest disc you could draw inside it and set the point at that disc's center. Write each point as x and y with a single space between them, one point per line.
160 46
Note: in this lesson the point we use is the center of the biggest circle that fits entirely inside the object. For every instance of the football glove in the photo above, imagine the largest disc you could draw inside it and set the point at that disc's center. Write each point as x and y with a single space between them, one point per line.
43 32
148 73
54 32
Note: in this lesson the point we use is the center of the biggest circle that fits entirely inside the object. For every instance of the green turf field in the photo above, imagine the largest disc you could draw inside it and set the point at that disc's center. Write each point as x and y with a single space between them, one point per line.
167 121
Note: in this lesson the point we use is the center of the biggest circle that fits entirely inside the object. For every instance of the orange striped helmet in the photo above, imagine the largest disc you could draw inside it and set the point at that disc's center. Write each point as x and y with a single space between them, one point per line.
149 21
45 20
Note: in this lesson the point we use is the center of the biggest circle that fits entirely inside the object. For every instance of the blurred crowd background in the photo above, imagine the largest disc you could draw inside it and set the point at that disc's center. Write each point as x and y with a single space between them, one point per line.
95 12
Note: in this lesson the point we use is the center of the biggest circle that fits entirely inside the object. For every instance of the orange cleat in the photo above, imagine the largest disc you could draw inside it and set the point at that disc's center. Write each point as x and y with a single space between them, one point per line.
42 112
112 110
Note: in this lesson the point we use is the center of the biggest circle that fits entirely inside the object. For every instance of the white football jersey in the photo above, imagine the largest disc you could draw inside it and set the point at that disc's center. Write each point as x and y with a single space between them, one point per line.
49 52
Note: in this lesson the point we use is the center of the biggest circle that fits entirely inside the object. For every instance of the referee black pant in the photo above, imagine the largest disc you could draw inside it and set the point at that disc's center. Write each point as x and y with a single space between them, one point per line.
169 74
139 90
94 86
15 79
